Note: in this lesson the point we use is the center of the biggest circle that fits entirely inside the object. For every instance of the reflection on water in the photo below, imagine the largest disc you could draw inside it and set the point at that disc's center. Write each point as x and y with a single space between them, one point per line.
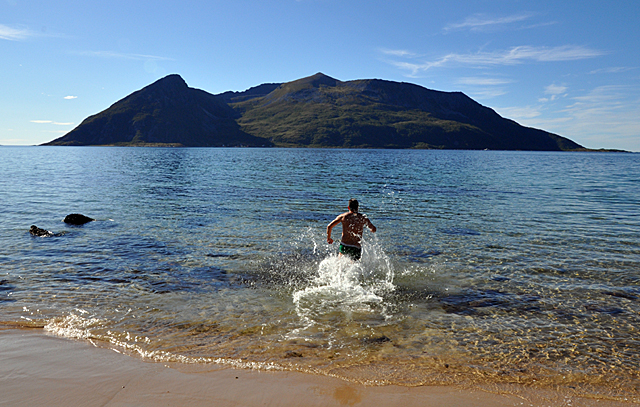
488 267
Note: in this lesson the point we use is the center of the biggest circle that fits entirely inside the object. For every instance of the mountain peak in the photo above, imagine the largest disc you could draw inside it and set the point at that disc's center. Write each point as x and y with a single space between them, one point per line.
172 79
303 86
171 84
315 81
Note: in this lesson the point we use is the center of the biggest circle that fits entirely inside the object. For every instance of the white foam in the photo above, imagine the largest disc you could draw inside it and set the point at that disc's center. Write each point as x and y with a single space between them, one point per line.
347 286
73 326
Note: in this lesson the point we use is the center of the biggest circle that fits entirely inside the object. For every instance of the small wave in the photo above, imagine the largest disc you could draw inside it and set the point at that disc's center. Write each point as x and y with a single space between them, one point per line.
74 326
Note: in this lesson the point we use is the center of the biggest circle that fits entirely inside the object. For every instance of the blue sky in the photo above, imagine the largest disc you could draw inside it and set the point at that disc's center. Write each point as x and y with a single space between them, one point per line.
568 67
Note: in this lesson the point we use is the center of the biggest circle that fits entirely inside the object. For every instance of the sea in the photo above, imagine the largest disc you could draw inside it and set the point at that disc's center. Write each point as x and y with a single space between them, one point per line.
488 268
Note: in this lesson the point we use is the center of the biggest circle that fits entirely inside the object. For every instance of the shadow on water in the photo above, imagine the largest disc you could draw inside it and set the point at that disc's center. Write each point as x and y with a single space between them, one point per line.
459 231
5 289
414 254
472 302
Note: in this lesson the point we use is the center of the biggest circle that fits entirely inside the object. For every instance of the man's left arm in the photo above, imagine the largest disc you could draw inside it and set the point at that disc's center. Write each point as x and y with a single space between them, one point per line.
330 227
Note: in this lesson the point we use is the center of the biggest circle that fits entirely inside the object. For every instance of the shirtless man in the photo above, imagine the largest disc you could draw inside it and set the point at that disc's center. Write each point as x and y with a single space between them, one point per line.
352 227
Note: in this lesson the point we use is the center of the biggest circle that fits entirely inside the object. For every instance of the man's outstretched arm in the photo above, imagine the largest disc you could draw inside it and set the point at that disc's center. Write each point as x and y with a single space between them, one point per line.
331 226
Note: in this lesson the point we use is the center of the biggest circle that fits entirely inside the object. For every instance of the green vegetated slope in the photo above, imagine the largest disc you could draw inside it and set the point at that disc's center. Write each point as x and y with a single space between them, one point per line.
320 111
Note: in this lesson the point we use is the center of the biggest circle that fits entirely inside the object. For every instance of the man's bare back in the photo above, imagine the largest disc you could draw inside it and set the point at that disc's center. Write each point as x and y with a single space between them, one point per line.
353 224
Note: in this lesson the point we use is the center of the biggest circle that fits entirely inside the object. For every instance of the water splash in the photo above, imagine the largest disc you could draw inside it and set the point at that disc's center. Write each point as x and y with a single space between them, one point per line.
345 289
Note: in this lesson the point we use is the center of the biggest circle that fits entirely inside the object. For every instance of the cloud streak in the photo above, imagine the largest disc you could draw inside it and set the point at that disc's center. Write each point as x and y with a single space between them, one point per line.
483 81
481 22
119 55
484 87
615 69
555 91
606 114
397 52
15 34
513 56
52 122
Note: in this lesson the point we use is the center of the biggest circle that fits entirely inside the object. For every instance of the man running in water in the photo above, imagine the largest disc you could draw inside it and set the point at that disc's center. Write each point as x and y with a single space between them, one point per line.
352 227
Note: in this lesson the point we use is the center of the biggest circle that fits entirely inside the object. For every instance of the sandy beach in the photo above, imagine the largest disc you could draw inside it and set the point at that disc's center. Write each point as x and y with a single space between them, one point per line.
38 369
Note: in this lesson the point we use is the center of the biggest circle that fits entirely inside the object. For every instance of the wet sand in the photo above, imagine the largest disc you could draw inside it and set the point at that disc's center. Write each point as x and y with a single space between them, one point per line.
38 369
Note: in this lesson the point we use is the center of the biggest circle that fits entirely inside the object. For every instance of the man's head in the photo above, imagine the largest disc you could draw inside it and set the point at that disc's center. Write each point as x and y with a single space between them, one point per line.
353 205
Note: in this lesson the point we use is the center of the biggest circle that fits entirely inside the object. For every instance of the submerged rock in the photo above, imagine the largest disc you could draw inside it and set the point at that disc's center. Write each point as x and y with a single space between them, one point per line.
376 339
77 219
36 231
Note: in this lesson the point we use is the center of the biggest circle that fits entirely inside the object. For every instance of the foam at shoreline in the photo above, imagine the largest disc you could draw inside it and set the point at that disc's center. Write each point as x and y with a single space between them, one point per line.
40 369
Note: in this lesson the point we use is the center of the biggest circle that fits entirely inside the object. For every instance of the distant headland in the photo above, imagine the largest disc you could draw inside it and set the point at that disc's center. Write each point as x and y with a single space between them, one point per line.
317 111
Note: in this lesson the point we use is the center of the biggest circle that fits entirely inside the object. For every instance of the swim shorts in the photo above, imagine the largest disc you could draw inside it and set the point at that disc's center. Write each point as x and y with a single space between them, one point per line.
354 252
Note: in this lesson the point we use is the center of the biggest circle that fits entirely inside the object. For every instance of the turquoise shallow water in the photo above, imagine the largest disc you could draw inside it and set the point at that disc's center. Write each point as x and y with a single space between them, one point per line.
487 268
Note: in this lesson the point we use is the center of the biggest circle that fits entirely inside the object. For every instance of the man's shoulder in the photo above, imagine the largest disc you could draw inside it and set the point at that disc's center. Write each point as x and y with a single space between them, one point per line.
343 216
357 216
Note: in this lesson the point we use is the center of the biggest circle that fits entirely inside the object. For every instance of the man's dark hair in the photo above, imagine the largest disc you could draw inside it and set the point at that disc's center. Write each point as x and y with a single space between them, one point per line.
353 204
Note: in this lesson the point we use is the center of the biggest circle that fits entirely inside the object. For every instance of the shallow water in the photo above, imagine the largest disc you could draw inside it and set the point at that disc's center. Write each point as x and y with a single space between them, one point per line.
487 268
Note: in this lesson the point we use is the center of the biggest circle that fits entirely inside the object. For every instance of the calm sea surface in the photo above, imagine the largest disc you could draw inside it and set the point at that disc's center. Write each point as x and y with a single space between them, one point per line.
488 268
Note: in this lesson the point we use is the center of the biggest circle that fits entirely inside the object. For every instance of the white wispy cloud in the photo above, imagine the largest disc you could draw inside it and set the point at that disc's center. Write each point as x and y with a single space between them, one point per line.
608 112
70 97
120 55
484 87
397 52
603 117
602 96
483 81
15 34
486 93
555 91
513 56
614 69
482 22
519 113
52 122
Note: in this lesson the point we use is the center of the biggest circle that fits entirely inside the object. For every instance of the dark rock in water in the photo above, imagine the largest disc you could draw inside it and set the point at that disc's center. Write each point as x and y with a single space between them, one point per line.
36 231
77 219
292 354
376 339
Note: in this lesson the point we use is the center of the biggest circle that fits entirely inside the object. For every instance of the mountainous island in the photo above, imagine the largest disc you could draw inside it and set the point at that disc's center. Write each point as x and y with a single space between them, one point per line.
317 111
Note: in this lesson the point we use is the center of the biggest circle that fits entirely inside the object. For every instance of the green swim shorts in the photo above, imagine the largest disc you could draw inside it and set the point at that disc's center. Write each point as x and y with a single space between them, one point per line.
354 252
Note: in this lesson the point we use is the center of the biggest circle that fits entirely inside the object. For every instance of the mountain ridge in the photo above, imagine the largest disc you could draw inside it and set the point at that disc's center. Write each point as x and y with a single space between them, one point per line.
315 111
